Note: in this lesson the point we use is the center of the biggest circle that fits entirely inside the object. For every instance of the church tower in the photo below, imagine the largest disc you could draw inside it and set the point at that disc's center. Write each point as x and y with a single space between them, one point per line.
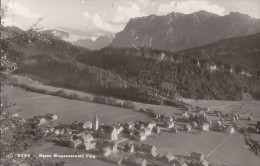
96 123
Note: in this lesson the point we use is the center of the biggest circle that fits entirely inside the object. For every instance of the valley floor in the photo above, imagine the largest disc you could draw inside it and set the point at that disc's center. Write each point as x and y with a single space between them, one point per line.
218 147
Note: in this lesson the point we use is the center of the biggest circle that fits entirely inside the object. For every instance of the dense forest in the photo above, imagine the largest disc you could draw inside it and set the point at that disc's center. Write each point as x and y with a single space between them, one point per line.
175 74
141 75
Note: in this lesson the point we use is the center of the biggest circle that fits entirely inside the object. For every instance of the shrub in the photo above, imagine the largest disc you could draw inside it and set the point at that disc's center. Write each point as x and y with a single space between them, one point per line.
128 104
60 93
85 98
74 96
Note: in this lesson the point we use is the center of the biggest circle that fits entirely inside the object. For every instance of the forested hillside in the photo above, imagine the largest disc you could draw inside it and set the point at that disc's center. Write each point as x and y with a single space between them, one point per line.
140 75
176 74
239 50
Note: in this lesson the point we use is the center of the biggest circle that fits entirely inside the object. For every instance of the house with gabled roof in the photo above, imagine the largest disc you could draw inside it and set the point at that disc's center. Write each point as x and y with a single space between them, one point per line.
75 143
169 124
174 130
37 121
204 127
106 151
66 137
167 118
84 125
180 162
129 148
136 161
156 129
88 145
167 157
115 160
51 117
196 155
187 127
150 125
108 132
86 138
203 163
258 125
75 124
129 125
113 146
192 162
147 131
141 136
230 129
193 124
147 148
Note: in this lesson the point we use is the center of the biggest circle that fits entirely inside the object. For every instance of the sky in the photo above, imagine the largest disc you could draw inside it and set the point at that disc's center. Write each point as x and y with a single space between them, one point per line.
92 18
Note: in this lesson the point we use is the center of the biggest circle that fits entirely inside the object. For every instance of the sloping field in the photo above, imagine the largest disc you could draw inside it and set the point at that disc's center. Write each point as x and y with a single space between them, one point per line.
34 104
38 85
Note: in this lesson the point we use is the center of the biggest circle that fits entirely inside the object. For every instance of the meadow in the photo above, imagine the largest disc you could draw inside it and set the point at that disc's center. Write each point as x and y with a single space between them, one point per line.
35 104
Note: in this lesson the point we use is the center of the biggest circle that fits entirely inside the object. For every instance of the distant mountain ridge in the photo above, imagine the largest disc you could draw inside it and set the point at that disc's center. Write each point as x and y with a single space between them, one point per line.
177 31
62 35
99 43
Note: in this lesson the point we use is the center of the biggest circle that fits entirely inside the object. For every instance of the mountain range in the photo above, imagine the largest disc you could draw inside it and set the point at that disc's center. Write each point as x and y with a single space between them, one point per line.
222 70
57 34
99 43
177 31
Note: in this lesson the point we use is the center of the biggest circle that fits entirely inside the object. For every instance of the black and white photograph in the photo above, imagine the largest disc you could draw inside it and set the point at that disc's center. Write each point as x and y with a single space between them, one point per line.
130 82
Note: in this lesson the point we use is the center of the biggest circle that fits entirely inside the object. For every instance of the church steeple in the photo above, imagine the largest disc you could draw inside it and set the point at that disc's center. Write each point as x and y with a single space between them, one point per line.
96 123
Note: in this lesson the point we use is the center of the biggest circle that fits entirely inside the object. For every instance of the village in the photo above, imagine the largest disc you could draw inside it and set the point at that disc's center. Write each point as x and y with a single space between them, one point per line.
124 143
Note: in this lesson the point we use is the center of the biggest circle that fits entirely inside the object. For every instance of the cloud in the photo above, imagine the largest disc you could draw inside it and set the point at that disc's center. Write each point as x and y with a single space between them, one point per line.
104 23
149 3
143 1
190 6
123 14
21 11
20 16
8 22
101 24
86 15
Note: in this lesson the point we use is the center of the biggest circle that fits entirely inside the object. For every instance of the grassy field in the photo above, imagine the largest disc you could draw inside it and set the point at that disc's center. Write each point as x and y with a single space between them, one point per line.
34 104
183 142
37 84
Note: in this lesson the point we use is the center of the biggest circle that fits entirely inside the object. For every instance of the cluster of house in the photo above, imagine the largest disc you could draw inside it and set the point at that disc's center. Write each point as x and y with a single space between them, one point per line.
140 130
46 123
146 154
82 134
255 129
198 120
87 136
192 121
104 138
41 120
193 159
